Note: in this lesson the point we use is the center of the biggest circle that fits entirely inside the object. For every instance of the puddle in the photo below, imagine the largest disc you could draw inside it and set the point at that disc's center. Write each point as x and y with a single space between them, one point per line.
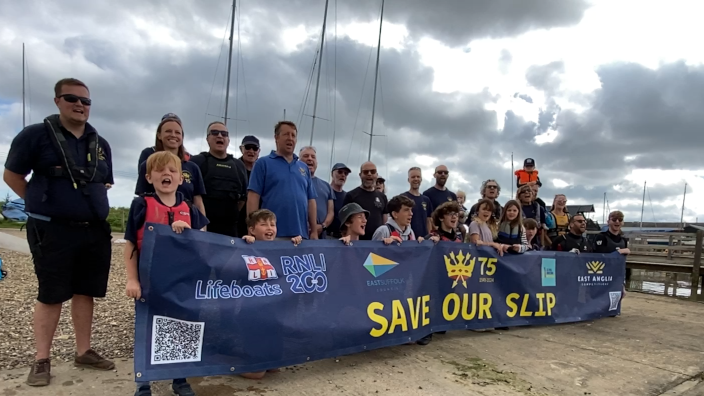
663 283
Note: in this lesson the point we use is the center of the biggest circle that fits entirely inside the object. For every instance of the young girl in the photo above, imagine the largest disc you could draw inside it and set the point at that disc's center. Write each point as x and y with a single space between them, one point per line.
511 230
531 227
483 228
560 216
446 219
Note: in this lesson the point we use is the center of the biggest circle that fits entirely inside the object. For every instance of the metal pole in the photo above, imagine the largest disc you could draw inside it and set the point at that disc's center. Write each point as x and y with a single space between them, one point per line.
23 92
642 208
683 198
376 79
334 103
603 211
511 175
284 114
229 60
320 68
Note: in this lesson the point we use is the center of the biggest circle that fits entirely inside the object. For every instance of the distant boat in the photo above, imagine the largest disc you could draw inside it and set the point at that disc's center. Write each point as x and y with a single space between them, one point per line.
14 210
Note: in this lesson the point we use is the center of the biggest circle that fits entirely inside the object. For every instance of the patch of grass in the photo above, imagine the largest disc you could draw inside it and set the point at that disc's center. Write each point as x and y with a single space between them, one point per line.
11 224
483 373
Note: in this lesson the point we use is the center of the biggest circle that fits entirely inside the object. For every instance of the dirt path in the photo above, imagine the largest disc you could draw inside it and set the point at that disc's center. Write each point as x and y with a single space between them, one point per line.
652 348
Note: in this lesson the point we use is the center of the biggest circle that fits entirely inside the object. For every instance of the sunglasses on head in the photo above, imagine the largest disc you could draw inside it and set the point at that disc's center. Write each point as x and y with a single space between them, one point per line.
71 98
369 172
216 132
252 147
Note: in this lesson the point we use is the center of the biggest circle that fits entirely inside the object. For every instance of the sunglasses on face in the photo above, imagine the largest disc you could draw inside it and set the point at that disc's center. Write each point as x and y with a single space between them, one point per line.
580 221
216 132
616 219
71 98
379 182
369 172
252 147
443 172
492 187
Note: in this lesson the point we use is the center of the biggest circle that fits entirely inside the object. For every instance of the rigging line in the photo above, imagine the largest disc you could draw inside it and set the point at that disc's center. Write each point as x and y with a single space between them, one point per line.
359 108
651 205
307 91
244 78
238 13
334 94
212 85
29 90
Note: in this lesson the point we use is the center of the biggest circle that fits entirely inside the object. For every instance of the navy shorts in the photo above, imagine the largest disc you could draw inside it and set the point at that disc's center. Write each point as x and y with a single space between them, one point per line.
70 259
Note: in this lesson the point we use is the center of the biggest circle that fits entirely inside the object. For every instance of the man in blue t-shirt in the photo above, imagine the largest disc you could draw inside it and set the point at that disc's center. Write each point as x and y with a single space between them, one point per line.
339 175
324 203
421 222
283 184
439 194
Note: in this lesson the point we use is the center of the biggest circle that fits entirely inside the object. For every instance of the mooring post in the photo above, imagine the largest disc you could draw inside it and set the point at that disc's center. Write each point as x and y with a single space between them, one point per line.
696 265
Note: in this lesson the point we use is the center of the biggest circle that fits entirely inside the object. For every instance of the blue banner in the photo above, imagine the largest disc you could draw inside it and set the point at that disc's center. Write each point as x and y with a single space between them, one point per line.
214 305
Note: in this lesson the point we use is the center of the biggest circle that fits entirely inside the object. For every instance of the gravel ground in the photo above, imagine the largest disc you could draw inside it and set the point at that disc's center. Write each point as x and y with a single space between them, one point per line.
113 324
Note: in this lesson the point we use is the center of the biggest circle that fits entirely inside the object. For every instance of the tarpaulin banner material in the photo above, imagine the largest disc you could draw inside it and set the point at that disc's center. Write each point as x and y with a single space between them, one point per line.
214 305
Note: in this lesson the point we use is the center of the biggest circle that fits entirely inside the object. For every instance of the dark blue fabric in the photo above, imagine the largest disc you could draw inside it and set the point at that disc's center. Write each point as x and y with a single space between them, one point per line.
270 304
138 212
422 210
338 203
33 151
191 187
143 157
439 197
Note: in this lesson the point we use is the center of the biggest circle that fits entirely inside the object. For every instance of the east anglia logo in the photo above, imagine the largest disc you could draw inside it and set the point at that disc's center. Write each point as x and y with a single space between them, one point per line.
595 275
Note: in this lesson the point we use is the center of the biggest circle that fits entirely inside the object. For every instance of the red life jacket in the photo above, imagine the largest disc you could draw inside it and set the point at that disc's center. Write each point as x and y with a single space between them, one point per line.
162 214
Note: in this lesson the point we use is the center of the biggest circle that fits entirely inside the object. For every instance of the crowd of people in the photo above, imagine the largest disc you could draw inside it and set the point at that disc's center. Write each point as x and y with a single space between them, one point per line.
279 196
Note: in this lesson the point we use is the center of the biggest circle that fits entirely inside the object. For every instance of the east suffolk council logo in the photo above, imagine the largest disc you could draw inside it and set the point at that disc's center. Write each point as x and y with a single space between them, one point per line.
378 266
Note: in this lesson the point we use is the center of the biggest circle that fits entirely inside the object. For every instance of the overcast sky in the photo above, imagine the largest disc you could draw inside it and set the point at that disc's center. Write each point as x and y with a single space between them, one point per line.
604 95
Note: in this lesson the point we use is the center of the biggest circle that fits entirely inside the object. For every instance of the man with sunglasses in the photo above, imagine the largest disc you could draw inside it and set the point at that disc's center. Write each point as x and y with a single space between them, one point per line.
574 241
439 194
250 154
68 235
490 190
611 240
339 175
225 180
370 199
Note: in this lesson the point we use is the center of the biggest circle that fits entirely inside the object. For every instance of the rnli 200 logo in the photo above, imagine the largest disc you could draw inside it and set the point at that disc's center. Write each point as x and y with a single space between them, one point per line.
595 277
460 268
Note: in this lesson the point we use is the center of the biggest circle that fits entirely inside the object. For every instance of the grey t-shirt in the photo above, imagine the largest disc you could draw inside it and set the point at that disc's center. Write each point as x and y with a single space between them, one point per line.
483 231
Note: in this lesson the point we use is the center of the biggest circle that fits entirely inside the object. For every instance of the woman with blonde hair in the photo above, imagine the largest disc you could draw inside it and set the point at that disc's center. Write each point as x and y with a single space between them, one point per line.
510 229
483 228
559 216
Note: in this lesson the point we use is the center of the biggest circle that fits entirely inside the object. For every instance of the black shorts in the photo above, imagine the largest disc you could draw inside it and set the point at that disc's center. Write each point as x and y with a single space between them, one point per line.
69 259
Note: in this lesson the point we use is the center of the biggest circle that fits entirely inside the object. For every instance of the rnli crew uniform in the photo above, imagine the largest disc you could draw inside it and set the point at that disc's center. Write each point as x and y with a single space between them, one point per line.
606 242
67 204
225 181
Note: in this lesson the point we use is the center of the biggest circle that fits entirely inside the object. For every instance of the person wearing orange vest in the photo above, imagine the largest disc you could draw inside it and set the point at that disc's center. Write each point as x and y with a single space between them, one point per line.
528 175
166 206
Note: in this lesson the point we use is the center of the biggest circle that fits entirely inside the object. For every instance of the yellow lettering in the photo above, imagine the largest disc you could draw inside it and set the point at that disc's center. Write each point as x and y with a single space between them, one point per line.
465 306
491 264
398 317
541 311
371 312
484 305
426 309
512 307
524 306
450 316
414 312
550 302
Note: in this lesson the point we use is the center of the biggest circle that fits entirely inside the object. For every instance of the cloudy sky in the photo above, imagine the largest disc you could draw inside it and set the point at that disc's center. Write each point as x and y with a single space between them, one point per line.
604 95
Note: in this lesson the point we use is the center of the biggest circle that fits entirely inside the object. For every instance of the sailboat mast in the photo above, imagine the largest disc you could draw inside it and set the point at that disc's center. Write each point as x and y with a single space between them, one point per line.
683 198
229 60
511 173
23 92
320 68
376 80
603 211
642 208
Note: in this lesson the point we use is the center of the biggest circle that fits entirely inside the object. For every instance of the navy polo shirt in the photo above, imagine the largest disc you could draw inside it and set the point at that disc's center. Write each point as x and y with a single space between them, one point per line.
285 189
138 214
422 210
191 187
439 197
32 150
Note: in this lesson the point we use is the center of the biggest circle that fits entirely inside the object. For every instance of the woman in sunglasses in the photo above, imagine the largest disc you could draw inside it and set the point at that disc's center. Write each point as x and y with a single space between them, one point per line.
169 137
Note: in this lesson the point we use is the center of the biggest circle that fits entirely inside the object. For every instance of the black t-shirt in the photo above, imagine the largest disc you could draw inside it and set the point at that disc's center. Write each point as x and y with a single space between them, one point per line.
570 241
338 203
439 197
373 201
225 181
606 242
422 210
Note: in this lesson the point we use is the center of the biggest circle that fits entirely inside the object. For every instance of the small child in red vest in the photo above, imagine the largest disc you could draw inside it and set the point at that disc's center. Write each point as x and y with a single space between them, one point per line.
165 206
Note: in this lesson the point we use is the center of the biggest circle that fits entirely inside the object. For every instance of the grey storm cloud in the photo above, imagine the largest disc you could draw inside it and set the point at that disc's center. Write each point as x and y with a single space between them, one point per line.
134 85
525 97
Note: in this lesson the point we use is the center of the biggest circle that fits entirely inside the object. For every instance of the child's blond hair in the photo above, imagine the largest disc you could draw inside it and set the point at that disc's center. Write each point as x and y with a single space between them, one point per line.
161 159
260 215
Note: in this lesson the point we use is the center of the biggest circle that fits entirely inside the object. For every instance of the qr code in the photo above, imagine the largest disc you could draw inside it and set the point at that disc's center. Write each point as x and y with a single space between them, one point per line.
176 341
615 298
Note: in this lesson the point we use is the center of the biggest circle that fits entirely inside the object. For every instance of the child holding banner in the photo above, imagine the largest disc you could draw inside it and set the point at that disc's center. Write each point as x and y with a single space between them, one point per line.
165 206
398 226
353 220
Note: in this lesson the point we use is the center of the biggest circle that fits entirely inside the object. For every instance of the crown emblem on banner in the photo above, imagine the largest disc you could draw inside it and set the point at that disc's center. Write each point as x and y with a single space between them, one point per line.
459 268
595 267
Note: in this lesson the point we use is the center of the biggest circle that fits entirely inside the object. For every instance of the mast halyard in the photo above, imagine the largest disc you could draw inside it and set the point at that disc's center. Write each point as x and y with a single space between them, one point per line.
320 68
376 80
229 61
24 118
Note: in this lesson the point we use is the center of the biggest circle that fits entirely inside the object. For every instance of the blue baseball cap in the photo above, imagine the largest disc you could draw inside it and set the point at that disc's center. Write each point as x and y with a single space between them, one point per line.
170 115
339 166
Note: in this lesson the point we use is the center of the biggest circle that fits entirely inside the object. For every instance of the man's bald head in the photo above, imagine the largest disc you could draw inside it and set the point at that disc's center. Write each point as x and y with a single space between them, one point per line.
441 168
441 175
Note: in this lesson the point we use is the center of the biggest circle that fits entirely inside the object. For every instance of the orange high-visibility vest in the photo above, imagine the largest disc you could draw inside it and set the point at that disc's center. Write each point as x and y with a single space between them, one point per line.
525 176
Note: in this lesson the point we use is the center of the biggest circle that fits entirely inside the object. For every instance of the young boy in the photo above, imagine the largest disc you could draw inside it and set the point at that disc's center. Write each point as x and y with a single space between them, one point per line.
354 220
531 227
261 225
528 175
165 206
398 227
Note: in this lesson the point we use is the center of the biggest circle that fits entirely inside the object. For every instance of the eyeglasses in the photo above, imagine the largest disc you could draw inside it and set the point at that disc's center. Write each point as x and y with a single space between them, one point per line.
452 214
379 182
215 132
442 172
71 98
369 171
252 147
